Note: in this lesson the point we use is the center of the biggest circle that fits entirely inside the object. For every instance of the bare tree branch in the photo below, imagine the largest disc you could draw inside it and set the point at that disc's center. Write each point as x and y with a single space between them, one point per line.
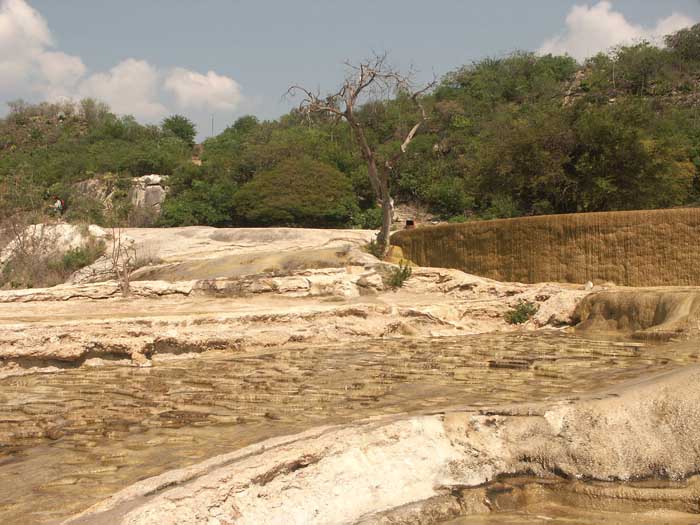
364 81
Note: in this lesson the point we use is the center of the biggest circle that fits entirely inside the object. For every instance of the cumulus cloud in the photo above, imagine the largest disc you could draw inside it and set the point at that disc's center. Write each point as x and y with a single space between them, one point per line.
592 29
32 67
61 72
27 59
21 26
129 87
210 91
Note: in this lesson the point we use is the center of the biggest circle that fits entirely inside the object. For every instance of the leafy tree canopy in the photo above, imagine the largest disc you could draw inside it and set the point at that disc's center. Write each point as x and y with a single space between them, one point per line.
180 127
299 192
514 135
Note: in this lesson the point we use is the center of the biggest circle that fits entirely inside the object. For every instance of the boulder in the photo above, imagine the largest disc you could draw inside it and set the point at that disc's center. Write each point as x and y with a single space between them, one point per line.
148 192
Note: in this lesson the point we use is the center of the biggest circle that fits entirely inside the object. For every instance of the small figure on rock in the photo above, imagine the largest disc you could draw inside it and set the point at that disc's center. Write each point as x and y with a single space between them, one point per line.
59 206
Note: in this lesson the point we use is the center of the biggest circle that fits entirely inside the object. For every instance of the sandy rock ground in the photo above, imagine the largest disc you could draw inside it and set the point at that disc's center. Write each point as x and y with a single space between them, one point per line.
243 289
235 290
49 329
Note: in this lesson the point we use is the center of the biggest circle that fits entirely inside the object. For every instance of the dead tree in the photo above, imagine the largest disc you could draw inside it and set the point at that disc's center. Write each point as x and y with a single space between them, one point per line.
122 258
369 80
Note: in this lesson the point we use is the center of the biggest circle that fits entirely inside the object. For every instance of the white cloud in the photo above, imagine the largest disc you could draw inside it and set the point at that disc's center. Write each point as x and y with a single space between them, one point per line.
27 62
62 72
31 67
210 91
591 29
130 87
21 26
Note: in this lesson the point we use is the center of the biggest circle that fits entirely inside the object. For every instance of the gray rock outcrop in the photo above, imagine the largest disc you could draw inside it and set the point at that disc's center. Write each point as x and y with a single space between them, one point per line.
148 192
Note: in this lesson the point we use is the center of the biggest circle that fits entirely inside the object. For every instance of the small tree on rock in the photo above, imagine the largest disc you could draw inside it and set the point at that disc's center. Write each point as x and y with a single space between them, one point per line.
369 80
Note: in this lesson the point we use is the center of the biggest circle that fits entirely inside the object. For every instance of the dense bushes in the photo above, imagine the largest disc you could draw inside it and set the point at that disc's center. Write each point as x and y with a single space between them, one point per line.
509 136
37 263
180 127
198 196
64 144
301 192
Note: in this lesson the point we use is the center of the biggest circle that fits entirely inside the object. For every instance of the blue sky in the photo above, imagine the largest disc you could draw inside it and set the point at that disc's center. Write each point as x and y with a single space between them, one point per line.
232 57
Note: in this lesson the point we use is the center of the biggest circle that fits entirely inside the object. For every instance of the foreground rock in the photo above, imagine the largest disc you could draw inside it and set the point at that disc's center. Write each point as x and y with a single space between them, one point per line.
420 469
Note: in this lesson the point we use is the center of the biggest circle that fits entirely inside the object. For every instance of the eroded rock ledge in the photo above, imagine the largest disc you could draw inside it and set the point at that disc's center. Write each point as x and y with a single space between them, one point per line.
643 313
395 469
70 325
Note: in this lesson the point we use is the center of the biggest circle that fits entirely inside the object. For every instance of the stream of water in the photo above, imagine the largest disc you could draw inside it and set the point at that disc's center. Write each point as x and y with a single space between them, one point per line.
70 439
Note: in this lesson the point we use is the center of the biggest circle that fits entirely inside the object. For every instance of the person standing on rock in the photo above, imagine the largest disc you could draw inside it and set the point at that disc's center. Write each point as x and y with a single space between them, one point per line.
59 206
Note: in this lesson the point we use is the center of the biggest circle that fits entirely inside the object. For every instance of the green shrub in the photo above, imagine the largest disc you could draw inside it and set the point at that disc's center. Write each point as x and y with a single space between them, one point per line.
447 197
400 275
181 127
198 196
502 207
38 269
297 192
375 249
84 209
77 258
522 312
370 219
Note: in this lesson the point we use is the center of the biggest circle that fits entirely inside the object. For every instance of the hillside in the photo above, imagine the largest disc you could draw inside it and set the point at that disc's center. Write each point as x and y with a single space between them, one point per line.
511 136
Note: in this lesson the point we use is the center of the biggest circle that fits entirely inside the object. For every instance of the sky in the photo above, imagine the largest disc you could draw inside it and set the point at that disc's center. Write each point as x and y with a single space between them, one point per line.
228 58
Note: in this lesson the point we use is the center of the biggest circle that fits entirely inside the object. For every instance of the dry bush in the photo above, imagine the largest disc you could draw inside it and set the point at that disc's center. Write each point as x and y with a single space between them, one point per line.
146 255
122 256
36 261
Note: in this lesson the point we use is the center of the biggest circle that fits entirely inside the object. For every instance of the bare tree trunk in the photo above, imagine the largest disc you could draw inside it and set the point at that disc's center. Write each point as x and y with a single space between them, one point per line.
387 219
379 182
363 81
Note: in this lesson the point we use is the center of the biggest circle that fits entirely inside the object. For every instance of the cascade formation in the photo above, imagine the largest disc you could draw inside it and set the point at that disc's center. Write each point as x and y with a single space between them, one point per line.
634 248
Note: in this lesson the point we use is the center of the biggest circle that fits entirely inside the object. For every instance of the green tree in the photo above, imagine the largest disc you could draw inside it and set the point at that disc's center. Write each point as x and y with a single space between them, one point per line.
686 43
298 192
182 127
618 166
198 196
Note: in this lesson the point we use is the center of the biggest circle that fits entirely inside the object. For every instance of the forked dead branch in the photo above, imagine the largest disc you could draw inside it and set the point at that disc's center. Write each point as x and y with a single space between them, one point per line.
370 80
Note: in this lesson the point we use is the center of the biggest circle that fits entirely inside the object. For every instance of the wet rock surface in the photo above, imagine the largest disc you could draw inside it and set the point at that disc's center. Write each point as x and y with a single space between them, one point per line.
78 436
643 429
231 338
642 313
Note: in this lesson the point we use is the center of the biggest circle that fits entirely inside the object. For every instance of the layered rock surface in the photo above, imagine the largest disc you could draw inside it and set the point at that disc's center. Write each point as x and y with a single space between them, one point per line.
67 325
205 288
236 290
643 313
644 429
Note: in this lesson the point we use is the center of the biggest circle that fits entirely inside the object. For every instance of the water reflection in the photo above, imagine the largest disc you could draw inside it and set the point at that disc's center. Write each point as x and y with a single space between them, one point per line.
69 439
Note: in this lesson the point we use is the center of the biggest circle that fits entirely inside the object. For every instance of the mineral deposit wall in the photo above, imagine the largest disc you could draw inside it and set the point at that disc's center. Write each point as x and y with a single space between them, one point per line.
637 248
